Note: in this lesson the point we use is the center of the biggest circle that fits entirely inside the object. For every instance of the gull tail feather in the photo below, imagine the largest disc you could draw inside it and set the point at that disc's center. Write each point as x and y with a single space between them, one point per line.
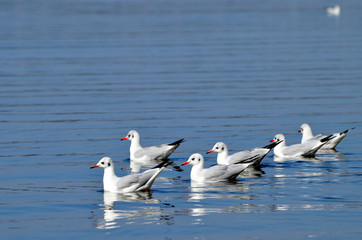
345 132
151 180
178 142
326 139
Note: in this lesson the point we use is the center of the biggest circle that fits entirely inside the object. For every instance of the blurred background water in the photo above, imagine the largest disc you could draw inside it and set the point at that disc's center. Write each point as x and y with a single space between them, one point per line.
76 76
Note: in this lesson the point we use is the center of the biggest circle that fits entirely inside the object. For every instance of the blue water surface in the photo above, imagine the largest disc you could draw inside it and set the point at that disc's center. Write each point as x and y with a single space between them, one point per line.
76 76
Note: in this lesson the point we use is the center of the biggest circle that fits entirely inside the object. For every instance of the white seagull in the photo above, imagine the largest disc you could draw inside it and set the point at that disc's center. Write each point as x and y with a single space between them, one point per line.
306 130
307 149
336 10
217 173
145 156
130 183
253 156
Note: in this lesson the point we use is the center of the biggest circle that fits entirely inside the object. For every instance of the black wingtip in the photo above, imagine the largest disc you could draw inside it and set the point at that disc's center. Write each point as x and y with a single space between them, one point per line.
177 142
272 145
327 138
163 164
248 160
347 131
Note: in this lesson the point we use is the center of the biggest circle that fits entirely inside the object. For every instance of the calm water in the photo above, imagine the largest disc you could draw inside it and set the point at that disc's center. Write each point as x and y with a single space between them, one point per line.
76 76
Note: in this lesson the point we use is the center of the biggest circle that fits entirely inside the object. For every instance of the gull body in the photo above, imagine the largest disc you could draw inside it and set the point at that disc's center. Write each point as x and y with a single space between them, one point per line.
147 155
217 173
253 156
306 130
129 183
307 149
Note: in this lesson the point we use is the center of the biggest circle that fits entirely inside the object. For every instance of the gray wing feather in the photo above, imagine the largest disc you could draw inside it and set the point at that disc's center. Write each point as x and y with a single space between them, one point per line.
224 172
295 149
215 172
308 149
127 181
247 156
156 152
147 178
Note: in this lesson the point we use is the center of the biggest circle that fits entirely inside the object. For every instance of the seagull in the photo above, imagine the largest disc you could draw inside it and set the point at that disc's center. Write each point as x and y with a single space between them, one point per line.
130 183
147 155
253 156
307 149
306 130
336 10
217 173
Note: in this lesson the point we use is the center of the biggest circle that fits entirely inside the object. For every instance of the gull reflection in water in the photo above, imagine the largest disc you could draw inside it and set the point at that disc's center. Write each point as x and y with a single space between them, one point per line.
112 217
295 159
251 171
218 190
227 189
234 190
330 154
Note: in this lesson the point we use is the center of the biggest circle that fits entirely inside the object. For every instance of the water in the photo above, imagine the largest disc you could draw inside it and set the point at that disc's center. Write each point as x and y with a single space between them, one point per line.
76 76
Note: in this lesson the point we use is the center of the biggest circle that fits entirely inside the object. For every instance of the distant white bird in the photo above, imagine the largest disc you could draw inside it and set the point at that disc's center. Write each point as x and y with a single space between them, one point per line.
336 10
217 173
306 130
307 149
146 156
253 156
129 183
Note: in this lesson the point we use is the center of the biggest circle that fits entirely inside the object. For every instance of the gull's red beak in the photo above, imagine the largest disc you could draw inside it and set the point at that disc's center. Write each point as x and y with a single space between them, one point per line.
185 163
210 151
300 130
94 166
125 138
272 140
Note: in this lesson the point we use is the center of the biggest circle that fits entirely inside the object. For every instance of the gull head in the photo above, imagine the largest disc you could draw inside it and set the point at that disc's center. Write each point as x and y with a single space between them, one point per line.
131 135
218 147
194 159
105 162
278 137
303 127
